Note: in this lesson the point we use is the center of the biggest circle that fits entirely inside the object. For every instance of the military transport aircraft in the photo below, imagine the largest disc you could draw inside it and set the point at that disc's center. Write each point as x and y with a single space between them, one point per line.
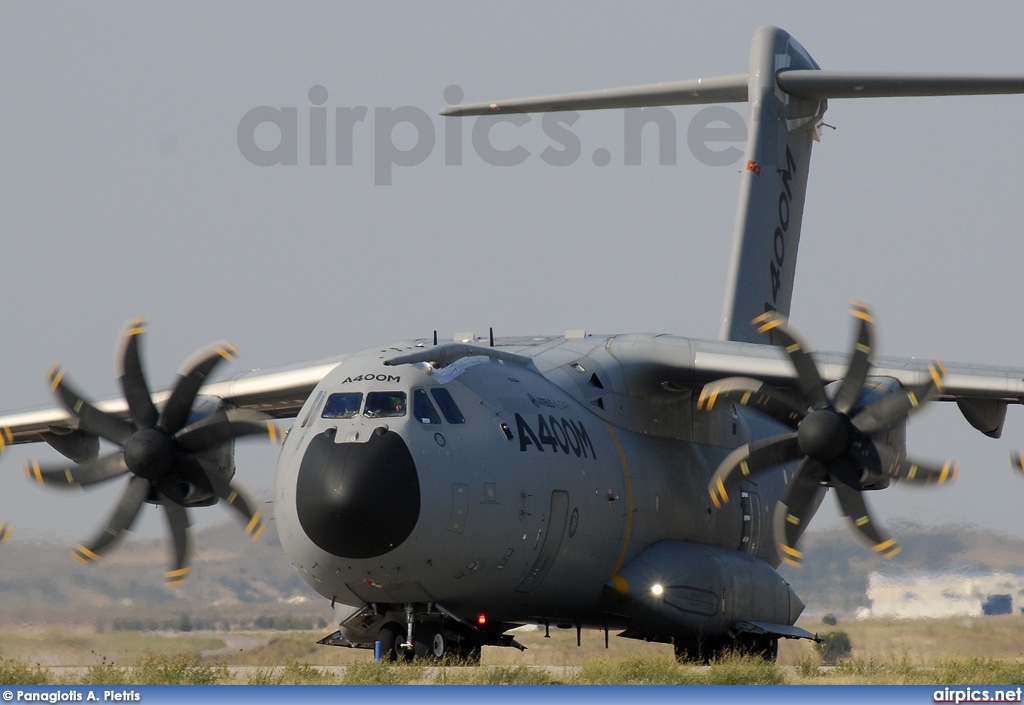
440 493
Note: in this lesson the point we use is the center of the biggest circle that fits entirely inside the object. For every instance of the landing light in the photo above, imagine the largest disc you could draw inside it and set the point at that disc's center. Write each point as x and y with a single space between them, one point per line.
657 590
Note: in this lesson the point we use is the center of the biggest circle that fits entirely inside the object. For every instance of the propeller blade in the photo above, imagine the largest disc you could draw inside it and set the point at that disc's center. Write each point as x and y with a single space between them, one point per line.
1017 461
794 510
177 520
852 504
5 437
754 394
809 381
90 419
892 409
748 459
226 426
852 385
194 372
120 521
925 473
241 503
76 476
132 376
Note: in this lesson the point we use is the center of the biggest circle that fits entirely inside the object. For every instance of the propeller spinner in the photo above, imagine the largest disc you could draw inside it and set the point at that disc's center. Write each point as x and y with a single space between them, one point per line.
840 438
168 452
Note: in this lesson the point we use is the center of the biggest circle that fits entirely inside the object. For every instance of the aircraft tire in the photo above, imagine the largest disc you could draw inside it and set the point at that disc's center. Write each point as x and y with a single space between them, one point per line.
392 636
431 643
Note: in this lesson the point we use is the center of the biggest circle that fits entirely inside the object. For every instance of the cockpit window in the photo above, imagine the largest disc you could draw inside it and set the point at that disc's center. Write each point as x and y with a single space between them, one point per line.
385 404
448 407
422 409
344 405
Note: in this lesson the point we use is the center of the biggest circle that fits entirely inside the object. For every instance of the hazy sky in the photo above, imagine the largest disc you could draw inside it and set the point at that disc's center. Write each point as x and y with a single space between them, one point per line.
126 193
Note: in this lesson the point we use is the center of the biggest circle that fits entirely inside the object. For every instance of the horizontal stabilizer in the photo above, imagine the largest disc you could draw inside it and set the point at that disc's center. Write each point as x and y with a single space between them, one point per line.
819 85
698 91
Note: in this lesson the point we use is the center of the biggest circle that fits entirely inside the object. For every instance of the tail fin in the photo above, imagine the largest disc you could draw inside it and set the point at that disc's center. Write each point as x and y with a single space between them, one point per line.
773 185
787 93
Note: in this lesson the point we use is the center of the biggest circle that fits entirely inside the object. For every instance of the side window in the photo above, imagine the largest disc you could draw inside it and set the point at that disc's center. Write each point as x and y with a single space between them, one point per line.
447 405
385 404
343 405
422 409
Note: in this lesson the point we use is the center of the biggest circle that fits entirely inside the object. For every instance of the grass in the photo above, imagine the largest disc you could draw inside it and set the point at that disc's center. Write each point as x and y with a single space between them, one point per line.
657 670
950 652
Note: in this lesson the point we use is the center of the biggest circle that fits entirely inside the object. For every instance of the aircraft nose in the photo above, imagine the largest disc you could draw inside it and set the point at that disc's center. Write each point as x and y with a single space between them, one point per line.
358 500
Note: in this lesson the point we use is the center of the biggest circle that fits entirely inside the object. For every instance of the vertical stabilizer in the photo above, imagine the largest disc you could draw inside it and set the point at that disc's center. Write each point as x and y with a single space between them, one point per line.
788 94
773 185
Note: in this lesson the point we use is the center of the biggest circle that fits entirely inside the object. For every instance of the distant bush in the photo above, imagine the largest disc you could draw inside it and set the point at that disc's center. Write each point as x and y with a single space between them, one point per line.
283 623
833 646
188 623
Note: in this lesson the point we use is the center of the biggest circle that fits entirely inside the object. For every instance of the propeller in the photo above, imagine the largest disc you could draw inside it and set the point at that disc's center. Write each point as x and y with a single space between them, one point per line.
841 438
175 456
6 438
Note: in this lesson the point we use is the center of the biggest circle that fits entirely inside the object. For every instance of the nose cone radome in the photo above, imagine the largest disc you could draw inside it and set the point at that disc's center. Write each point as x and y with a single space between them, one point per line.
358 500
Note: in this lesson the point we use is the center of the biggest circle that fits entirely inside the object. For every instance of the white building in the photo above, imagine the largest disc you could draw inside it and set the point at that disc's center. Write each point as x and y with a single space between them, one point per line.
929 594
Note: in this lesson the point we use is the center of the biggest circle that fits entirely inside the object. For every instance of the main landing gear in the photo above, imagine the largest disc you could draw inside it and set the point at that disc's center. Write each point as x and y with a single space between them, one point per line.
431 642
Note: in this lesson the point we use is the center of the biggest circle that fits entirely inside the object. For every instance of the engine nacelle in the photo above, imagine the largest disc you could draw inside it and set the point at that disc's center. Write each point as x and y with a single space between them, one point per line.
686 588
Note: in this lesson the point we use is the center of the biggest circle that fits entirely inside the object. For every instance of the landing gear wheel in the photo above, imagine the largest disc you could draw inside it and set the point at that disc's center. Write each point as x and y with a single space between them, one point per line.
431 643
392 636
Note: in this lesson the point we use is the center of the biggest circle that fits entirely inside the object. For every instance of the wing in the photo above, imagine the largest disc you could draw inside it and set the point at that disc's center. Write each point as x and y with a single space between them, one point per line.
657 366
278 392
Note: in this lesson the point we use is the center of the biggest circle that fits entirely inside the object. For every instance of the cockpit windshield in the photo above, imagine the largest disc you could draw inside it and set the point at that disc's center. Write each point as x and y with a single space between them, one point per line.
344 405
347 405
385 404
